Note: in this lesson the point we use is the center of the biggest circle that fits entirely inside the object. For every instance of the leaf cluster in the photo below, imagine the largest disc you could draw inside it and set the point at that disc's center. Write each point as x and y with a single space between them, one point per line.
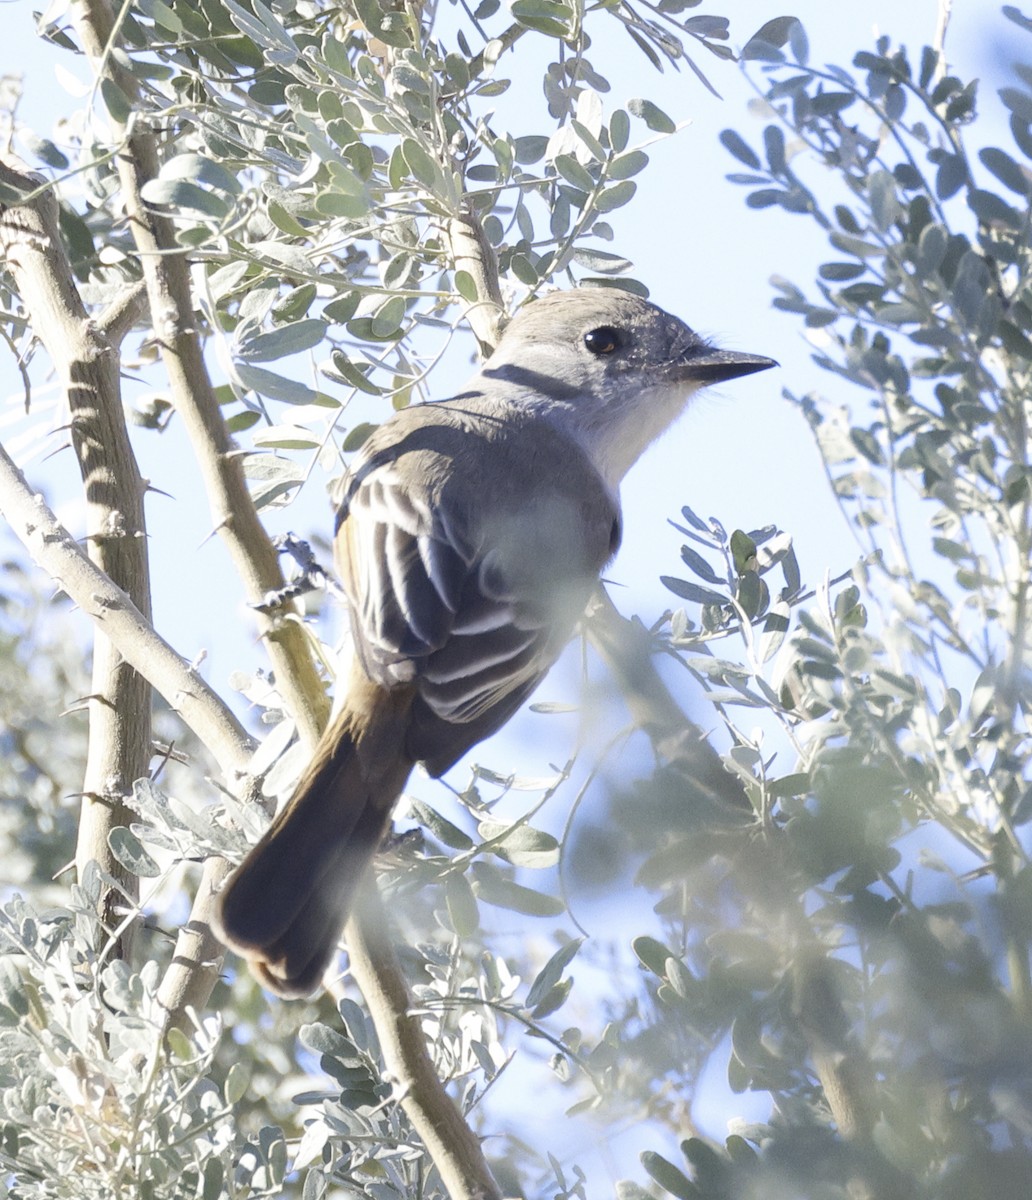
868 941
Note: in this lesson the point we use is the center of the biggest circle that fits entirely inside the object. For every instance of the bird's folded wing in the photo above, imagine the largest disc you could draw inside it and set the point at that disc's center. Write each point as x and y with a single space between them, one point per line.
429 607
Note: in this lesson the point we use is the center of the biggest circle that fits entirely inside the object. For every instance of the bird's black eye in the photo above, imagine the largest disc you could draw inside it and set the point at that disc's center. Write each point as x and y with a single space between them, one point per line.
603 340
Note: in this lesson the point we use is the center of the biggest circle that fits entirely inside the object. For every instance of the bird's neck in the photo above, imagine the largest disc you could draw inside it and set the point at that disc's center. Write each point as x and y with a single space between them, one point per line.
614 438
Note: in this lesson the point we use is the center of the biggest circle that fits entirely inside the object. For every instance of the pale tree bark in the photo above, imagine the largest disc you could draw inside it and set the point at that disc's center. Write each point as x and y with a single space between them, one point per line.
166 273
85 358
198 955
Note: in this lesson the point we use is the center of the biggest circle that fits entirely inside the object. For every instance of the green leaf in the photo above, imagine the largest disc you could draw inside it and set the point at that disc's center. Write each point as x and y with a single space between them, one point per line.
774 148
286 437
601 261
341 310
44 149
126 847
389 26
652 954
552 972
752 594
462 906
466 286
691 591
951 176
342 204
295 303
693 560
521 845
992 209
325 1040
263 28
790 785
653 116
840 272
180 1046
386 321
931 250
763 197
743 551
214 1180
13 996
679 977
242 421
619 130
588 140
1018 17
524 270
554 999
695 521
457 69
358 436
235 1087
669 1177
626 165
571 170
195 168
354 374
885 207
284 221
284 341
442 829
530 149
115 100
775 627
1006 170
735 144
422 166
276 387
185 197
769 39
493 888
346 181
615 196
544 16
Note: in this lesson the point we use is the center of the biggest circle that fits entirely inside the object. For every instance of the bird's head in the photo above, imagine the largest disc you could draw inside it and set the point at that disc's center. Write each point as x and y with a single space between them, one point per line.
610 367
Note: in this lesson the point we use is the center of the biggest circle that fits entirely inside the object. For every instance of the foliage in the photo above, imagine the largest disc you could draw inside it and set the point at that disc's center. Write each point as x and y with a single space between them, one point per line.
870 941
843 923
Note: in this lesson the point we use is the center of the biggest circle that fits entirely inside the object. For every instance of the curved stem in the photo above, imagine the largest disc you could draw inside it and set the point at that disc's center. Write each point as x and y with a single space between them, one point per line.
452 1144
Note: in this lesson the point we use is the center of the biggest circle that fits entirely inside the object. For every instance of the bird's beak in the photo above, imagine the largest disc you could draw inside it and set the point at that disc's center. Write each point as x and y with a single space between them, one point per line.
714 366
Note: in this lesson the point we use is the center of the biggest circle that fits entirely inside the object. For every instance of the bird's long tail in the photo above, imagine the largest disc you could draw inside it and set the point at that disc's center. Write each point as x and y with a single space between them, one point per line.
284 907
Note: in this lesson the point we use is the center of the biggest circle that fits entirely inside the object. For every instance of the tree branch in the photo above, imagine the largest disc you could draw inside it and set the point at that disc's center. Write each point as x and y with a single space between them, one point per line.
166 274
87 364
56 552
197 958
471 252
452 1144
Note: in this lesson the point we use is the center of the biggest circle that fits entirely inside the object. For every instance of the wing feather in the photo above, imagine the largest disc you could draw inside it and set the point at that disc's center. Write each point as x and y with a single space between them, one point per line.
471 602
425 608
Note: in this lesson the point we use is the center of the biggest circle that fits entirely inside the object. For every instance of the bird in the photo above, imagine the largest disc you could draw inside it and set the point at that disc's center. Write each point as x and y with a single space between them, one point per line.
469 537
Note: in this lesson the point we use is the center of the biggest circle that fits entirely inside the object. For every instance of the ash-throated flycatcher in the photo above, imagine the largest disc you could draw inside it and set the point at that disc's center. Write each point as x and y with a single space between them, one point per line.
469 538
